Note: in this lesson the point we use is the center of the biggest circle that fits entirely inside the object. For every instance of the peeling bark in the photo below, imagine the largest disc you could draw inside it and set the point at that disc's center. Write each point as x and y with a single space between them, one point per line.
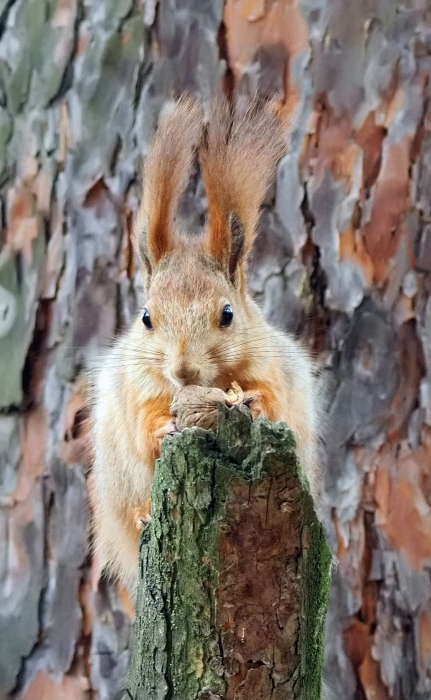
343 258
235 570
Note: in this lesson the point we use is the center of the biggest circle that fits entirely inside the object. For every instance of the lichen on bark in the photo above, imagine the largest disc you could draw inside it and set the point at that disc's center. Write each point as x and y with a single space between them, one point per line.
234 570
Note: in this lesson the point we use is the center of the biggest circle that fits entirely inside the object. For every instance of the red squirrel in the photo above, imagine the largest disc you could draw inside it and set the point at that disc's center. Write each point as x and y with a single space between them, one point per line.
199 324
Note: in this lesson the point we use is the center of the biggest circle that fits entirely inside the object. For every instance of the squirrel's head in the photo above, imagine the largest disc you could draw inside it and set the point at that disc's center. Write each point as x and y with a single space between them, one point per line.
193 319
196 316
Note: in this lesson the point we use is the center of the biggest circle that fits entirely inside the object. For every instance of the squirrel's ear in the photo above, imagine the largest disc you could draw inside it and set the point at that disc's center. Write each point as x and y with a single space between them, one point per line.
236 250
165 174
226 244
238 156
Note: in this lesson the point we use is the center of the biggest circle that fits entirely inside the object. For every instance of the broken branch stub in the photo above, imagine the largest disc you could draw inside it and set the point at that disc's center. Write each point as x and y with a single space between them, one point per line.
234 570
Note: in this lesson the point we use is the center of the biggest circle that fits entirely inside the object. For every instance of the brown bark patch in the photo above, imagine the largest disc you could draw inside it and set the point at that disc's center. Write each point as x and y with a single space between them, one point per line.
259 595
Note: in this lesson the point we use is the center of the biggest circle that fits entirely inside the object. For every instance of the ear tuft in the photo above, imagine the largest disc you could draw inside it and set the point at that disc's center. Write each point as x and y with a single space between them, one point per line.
237 248
165 174
238 157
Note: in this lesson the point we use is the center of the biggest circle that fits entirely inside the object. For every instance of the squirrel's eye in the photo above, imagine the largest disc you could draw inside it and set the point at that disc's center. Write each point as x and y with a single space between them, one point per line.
146 320
226 316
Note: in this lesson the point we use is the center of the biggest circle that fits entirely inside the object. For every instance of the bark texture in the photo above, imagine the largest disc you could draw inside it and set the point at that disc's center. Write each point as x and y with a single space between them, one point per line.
343 258
235 570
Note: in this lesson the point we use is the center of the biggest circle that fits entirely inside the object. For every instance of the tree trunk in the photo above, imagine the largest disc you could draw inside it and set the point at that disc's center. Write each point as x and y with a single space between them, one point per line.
343 259
235 570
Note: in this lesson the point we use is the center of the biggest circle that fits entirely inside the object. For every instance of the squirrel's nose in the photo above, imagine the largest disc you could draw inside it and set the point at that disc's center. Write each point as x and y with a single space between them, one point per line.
185 373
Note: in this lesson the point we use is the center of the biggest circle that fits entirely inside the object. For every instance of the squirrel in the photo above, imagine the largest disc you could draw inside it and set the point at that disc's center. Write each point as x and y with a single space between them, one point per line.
199 325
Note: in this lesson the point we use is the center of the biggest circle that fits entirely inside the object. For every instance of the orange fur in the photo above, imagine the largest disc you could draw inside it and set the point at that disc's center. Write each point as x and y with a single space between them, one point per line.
153 422
189 281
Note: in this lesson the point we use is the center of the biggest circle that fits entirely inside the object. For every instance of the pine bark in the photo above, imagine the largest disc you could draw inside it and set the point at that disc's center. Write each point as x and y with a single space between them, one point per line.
343 259
234 572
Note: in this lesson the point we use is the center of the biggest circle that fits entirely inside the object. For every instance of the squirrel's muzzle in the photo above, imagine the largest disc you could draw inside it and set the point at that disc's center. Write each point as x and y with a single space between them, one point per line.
185 373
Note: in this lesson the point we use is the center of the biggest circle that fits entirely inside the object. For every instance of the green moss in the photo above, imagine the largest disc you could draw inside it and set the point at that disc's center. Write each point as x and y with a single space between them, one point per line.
317 569
18 303
6 129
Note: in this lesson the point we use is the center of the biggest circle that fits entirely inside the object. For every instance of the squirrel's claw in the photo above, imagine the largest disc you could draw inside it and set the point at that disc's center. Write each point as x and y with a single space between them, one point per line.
248 401
141 516
170 428
253 401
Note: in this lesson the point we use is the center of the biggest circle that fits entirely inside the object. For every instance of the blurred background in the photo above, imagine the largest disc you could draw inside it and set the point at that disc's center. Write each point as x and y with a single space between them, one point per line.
343 260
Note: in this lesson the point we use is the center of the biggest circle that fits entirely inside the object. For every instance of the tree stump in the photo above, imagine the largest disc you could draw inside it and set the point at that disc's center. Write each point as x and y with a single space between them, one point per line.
234 570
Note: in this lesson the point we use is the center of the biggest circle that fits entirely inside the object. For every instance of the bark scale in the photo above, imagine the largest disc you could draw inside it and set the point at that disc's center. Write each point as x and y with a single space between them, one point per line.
234 571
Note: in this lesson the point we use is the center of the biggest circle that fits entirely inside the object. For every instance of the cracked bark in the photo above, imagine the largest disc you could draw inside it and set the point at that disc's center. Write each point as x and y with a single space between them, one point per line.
343 258
235 570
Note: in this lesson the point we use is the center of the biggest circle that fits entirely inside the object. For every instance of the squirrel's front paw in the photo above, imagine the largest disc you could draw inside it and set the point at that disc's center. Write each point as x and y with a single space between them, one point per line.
254 402
141 517
170 428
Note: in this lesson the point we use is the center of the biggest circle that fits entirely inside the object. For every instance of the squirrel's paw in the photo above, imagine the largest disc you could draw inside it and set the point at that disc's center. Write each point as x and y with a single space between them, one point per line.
142 516
170 428
253 401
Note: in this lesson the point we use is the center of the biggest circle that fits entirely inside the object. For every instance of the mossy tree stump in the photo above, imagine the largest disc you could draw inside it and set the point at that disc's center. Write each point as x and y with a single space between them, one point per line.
234 570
